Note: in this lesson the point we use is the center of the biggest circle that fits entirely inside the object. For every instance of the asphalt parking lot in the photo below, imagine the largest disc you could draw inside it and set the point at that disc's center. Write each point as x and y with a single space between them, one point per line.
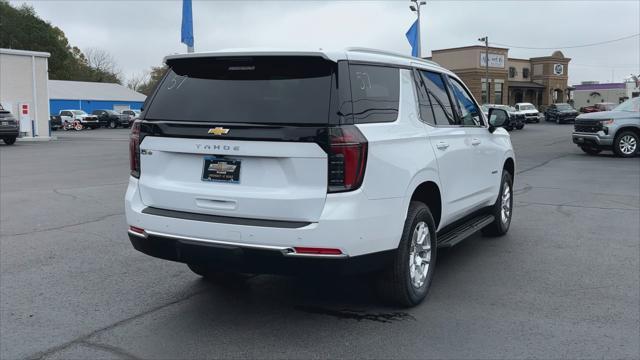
564 282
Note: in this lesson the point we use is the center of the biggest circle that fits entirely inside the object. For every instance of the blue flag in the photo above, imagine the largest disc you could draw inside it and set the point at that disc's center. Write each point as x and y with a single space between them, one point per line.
187 23
412 36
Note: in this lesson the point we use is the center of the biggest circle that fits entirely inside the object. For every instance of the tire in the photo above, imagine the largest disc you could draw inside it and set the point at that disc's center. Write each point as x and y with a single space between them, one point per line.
626 144
112 124
213 274
501 224
520 127
591 150
9 140
558 120
77 127
396 284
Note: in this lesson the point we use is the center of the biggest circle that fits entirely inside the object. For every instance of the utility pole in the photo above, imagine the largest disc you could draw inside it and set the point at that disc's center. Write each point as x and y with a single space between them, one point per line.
486 64
416 8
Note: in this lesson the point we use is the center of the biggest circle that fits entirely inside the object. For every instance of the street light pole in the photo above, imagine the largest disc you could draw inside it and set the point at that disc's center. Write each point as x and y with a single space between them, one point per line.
486 64
416 8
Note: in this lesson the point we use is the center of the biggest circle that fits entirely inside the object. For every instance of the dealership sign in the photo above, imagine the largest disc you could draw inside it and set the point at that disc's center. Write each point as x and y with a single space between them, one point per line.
495 60
558 69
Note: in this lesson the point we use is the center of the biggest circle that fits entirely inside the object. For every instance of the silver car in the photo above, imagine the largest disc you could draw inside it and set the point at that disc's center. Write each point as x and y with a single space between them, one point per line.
617 130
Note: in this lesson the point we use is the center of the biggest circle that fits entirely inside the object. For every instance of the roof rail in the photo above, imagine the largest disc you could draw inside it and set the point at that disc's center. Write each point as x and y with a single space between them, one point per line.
390 53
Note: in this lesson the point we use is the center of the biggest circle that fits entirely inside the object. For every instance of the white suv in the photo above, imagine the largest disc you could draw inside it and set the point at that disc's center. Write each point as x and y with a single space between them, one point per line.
332 162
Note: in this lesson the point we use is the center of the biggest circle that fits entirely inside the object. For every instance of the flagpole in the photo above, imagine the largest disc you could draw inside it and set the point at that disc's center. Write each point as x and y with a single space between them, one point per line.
416 8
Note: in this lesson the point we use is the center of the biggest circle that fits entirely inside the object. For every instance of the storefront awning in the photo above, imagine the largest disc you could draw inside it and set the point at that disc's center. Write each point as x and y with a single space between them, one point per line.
525 85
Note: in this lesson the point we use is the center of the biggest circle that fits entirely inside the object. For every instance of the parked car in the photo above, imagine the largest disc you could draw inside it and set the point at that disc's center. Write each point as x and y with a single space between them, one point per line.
132 113
9 127
86 121
357 161
55 122
531 114
516 118
561 113
617 130
111 118
598 107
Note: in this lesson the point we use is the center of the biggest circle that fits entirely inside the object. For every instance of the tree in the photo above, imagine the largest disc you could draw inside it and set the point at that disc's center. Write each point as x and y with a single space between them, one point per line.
21 28
154 76
104 66
137 81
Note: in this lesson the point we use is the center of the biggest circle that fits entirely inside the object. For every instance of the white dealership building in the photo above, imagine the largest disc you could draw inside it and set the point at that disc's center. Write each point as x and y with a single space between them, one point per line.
24 90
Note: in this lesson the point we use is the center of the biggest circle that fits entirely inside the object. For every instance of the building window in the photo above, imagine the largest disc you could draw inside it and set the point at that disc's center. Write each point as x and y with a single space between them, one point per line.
512 72
497 92
525 73
485 98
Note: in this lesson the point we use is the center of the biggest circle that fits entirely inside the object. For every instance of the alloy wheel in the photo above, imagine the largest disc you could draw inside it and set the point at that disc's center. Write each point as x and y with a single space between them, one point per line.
627 144
505 213
419 254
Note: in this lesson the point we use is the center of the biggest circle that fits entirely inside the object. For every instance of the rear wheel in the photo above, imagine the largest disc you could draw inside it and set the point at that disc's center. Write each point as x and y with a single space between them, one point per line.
502 210
626 144
591 150
407 280
9 140
77 127
520 126
112 124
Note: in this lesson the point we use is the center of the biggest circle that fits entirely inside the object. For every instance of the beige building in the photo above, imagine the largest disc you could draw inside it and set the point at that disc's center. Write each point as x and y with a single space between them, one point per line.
24 90
540 80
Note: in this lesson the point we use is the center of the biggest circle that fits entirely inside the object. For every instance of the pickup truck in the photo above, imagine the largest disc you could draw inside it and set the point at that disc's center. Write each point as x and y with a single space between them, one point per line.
597 108
111 118
86 120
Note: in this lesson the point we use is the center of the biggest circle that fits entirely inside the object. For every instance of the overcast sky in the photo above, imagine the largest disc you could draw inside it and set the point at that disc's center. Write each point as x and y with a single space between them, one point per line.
140 33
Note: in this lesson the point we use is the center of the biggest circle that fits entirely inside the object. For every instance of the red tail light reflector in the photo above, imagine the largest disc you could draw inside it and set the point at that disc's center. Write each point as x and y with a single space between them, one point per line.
317 251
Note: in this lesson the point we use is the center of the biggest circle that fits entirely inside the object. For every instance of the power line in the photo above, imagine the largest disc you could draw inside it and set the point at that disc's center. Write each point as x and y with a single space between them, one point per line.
617 66
568 47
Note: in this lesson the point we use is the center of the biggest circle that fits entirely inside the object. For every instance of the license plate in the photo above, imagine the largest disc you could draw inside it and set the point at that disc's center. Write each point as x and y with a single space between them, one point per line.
221 170
5 123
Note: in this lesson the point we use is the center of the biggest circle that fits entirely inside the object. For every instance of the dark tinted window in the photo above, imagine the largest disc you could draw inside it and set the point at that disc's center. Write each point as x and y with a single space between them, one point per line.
426 112
261 89
439 98
376 92
468 112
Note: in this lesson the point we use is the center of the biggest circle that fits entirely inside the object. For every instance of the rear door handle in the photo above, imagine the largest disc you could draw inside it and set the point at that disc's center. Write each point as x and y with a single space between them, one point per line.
475 141
442 145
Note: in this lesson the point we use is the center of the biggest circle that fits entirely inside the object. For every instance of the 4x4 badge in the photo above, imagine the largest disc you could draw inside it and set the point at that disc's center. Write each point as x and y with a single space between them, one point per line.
218 131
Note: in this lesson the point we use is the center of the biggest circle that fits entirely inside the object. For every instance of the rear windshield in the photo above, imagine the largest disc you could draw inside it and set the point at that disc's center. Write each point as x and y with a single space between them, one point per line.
264 89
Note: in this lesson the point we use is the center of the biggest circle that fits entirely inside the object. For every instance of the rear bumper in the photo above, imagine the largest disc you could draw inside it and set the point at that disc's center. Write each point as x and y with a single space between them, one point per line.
592 139
9 131
349 222
238 258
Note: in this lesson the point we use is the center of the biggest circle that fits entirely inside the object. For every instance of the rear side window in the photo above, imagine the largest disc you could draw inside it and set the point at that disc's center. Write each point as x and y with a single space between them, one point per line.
439 98
468 112
259 89
376 93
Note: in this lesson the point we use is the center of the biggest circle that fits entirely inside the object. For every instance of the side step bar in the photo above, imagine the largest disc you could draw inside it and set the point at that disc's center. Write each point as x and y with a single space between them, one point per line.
463 231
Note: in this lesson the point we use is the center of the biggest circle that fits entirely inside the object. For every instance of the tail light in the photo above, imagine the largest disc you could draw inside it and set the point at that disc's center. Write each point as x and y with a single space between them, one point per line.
347 158
134 149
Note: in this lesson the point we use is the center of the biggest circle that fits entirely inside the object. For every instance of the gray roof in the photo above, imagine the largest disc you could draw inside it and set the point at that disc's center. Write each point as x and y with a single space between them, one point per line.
82 90
24 52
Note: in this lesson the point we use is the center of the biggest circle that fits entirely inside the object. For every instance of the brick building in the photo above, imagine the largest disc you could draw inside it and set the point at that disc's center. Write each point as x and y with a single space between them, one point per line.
540 80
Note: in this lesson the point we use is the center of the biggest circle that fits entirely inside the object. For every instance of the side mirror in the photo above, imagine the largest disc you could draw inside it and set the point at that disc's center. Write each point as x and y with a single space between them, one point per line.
497 118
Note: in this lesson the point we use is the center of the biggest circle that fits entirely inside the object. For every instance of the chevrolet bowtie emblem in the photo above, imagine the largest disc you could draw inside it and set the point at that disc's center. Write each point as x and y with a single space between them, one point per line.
222 167
218 131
